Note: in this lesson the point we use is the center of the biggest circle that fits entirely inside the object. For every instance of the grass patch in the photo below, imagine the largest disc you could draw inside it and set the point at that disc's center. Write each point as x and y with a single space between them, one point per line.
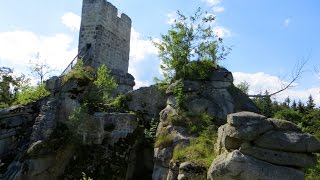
200 150
164 139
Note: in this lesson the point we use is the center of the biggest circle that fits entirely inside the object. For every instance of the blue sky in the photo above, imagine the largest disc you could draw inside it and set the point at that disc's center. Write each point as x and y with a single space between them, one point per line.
267 37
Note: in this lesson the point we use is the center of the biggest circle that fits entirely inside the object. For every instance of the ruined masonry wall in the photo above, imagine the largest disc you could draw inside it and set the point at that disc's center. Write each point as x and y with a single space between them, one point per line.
108 34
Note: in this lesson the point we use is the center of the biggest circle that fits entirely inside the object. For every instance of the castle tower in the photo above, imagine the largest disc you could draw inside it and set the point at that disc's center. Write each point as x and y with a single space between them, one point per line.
107 33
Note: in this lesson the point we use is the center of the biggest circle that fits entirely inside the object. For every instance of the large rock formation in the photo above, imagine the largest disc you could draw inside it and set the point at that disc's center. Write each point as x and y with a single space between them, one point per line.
216 98
36 141
252 146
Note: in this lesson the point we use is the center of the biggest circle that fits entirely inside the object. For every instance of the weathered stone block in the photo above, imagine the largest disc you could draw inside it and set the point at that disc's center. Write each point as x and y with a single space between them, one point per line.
288 141
237 166
279 157
244 118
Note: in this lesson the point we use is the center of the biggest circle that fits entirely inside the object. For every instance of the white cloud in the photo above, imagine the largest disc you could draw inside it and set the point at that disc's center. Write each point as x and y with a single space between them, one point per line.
72 21
260 82
286 22
218 9
18 47
215 5
140 47
171 17
212 2
140 84
222 32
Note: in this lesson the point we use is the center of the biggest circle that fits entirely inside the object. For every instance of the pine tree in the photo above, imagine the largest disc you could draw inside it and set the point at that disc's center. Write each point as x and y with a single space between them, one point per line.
301 107
267 105
294 105
310 103
286 102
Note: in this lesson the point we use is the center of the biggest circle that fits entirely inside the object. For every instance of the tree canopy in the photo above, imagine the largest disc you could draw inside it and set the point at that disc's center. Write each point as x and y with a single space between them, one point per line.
191 48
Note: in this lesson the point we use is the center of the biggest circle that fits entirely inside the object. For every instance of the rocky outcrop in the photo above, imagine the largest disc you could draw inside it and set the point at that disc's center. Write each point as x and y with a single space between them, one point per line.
36 141
216 98
35 122
147 101
15 131
252 146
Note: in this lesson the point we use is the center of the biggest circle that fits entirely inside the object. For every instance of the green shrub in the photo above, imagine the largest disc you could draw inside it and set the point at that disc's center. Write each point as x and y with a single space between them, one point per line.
120 102
179 95
31 93
288 114
105 83
79 72
200 150
150 134
161 85
200 70
164 139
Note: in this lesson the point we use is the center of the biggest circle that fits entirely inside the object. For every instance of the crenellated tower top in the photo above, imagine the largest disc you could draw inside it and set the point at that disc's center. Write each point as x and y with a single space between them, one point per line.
107 32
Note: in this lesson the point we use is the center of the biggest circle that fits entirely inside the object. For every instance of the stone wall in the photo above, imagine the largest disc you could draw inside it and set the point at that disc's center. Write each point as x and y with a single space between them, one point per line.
108 32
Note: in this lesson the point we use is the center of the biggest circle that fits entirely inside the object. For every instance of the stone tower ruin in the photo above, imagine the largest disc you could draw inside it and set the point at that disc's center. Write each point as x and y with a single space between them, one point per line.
107 32
105 38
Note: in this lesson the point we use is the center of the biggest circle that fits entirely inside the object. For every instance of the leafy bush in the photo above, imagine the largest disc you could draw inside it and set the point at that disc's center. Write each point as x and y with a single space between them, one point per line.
289 114
31 93
150 134
99 85
200 70
161 85
179 95
79 72
105 83
120 102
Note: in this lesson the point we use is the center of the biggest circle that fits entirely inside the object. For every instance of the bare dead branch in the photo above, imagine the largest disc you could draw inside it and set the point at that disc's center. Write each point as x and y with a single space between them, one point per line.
297 71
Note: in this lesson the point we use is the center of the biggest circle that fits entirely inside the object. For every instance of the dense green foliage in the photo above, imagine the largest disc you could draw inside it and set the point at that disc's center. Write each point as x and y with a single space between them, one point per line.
150 133
99 85
9 86
79 72
191 48
31 93
17 90
179 95
120 102
104 82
